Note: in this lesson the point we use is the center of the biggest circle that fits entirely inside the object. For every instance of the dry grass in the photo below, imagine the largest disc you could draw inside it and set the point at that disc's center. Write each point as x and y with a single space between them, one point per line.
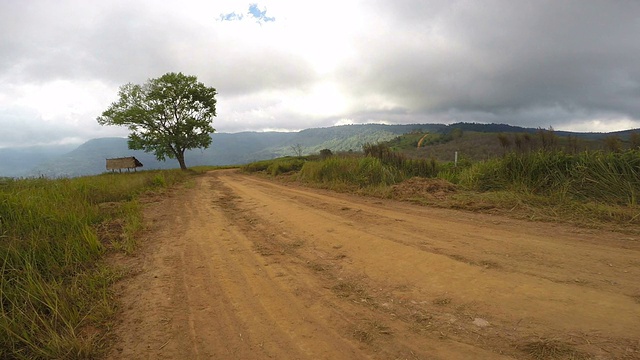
347 288
317 266
442 301
369 330
552 349
262 249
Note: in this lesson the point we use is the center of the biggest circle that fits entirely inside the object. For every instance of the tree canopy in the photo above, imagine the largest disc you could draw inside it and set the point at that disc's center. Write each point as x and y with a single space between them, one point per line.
166 115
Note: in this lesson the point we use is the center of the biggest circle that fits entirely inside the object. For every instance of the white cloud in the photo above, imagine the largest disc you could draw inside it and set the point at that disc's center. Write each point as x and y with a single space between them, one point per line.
570 64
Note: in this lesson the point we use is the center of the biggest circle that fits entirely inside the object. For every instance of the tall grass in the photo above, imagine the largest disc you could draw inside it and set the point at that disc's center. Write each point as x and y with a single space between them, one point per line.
379 167
408 167
362 172
54 290
276 166
592 175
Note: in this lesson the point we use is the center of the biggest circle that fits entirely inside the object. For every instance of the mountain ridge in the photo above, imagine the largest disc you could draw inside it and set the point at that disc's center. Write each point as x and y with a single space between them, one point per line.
236 148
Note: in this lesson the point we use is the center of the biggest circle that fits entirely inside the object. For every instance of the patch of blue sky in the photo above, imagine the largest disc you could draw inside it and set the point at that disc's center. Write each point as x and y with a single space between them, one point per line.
260 15
231 17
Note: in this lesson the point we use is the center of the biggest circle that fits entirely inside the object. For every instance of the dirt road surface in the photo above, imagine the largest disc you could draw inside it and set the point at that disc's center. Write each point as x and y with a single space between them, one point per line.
238 267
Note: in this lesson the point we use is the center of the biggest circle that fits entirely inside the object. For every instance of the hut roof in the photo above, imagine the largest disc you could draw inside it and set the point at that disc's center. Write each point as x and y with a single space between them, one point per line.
123 163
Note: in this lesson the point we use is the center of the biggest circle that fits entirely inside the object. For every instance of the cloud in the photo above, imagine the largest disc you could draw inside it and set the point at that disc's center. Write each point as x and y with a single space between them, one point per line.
570 64
22 127
504 60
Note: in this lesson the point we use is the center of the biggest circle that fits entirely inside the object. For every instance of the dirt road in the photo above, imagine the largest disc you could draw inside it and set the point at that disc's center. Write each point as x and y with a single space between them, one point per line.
238 267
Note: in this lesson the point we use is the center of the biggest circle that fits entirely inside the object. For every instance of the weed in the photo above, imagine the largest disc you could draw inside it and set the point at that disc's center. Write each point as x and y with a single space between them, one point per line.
262 249
543 349
316 266
442 301
363 335
368 330
159 181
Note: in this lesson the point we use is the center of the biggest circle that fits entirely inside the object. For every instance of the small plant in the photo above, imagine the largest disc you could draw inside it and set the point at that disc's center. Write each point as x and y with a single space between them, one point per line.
158 181
325 153
552 349
297 149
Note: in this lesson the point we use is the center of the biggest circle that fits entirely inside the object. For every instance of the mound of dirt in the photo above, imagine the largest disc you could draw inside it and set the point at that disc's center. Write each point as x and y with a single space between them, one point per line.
437 188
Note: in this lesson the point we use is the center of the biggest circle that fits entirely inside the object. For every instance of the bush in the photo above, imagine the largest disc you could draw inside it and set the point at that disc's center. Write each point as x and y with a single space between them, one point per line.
325 153
282 166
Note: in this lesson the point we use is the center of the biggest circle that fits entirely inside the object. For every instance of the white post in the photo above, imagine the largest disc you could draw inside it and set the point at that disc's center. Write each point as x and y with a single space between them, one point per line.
456 160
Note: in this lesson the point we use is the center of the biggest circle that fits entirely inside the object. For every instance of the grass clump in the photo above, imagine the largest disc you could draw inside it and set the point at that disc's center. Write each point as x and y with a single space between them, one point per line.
361 172
54 290
276 166
607 177
543 349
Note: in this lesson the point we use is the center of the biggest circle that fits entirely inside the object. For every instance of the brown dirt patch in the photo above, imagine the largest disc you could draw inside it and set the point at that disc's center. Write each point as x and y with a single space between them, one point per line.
430 188
238 267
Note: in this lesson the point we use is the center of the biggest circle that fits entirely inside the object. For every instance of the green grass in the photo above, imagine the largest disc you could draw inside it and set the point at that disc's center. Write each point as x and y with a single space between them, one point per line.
54 287
360 172
607 177
276 166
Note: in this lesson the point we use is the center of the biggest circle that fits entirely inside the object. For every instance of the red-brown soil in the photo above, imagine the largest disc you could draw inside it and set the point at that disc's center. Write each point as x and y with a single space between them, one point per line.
238 267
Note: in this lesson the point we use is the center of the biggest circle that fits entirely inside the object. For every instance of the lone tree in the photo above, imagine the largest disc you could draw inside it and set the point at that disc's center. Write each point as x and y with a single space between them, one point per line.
167 115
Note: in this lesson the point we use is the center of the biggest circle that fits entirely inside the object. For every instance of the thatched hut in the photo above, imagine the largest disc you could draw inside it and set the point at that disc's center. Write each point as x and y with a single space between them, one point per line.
123 163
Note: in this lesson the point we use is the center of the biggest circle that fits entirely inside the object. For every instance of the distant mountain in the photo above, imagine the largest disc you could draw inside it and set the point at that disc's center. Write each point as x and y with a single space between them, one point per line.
232 149
226 149
16 162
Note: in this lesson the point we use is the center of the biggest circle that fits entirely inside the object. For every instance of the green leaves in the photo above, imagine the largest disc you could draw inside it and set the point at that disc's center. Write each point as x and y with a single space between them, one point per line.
166 115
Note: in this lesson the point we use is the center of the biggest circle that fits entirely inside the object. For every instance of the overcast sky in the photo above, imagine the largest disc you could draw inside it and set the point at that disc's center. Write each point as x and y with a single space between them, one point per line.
291 64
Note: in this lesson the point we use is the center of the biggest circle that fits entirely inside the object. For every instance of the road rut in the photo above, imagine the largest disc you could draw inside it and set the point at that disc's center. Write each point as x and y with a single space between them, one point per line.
239 267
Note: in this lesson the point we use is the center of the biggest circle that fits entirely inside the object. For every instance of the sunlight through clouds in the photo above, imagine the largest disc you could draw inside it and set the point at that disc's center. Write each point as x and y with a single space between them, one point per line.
291 64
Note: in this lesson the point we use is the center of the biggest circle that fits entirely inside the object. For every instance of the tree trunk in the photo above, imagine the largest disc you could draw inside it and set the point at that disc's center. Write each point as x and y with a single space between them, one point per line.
180 157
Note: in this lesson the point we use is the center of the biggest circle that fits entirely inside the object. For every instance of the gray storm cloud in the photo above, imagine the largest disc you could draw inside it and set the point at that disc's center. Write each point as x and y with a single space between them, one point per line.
508 59
566 64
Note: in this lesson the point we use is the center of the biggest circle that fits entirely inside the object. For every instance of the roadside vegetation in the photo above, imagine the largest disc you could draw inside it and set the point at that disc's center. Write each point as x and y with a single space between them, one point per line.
537 176
56 301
